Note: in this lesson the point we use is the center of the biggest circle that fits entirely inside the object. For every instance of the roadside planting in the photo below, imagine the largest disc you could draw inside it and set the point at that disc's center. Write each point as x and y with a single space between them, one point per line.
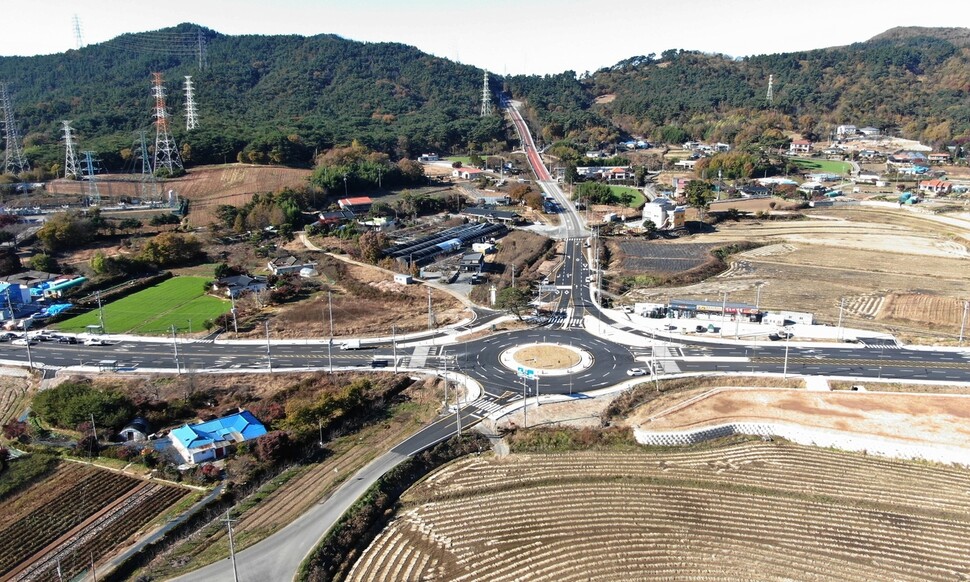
785 511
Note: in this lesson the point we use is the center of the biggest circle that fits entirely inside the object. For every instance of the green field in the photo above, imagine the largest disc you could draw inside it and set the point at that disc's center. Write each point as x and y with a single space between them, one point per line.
826 166
638 198
179 301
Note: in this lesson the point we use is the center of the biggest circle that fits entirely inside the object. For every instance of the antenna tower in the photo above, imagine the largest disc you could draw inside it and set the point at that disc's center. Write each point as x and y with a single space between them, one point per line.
72 167
486 96
14 161
191 119
770 96
166 153
94 192
77 33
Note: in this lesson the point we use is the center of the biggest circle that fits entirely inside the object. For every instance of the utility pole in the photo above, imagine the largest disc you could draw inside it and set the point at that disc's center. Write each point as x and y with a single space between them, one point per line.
175 348
94 428
723 313
525 405
235 323
430 313
330 342
100 311
394 345
757 301
784 374
232 547
269 358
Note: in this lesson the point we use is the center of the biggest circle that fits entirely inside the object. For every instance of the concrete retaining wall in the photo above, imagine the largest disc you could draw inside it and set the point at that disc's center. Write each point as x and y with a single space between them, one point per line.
885 447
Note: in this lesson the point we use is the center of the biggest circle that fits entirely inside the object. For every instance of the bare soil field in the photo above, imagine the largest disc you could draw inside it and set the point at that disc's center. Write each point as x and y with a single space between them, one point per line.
367 301
663 257
206 187
925 418
718 513
13 396
546 357
866 257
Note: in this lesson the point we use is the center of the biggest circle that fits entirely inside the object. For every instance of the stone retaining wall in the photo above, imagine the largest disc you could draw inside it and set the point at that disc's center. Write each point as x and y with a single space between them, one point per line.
847 441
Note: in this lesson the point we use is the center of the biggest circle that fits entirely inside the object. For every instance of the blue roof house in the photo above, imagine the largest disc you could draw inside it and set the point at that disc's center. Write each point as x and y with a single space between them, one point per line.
211 440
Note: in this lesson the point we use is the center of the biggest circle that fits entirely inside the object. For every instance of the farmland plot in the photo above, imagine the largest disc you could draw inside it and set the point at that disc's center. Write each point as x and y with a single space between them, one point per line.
783 511
77 512
654 257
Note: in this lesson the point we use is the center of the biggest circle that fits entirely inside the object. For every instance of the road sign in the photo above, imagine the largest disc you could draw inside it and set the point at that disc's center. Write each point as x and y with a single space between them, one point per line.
547 288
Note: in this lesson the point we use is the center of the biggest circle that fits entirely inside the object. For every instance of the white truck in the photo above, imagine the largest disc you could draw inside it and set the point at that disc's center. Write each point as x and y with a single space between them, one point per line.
353 344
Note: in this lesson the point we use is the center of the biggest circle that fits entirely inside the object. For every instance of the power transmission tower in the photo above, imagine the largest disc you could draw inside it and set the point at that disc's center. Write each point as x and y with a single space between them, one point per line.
770 96
72 167
78 41
94 193
166 153
148 188
200 42
191 120
486 96
14 161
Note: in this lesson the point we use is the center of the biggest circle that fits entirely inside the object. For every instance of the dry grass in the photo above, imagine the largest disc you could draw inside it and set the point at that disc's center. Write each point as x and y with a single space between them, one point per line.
546 357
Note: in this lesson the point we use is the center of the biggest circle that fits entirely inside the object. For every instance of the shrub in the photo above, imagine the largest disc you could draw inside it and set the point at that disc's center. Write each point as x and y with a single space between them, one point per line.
72 403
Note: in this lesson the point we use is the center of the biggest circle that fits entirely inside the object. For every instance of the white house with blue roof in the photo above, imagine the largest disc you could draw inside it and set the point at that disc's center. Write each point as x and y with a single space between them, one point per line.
211 440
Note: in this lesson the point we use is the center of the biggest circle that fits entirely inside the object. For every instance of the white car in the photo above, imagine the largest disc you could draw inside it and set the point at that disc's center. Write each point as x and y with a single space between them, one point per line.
93 341
636 372
20 341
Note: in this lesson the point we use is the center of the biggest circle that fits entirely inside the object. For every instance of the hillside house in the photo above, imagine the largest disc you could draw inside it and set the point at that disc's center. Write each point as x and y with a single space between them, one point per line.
472 263
800 147
935 186
239 284
846 130
937 158
209 441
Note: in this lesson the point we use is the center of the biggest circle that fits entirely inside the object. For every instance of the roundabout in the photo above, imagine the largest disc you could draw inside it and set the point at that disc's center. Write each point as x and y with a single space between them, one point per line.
546 359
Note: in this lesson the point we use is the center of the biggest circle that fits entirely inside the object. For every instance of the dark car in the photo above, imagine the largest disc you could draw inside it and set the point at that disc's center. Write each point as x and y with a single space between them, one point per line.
700 329
66 339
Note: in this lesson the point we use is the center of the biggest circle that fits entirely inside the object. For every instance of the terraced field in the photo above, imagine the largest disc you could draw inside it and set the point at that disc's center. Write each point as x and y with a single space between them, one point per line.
75 513
782 511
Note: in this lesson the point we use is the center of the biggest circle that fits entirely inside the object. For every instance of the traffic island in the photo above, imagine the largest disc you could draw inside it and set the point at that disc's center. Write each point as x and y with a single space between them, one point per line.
546 359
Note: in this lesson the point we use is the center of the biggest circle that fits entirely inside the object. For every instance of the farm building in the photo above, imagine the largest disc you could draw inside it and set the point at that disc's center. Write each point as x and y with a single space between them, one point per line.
136 431
357 205
335 217
490 215
211 440
403 279
472 262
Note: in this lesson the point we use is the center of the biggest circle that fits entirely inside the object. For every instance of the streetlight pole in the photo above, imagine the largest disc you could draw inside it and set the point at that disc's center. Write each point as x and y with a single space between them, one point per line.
269 357
30 360
723 313
232 548
963 322
784 374
757 301
175 348
394 346
525 406
839 333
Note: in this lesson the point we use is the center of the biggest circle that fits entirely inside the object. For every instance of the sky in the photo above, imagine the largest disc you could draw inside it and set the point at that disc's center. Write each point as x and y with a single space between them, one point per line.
502 36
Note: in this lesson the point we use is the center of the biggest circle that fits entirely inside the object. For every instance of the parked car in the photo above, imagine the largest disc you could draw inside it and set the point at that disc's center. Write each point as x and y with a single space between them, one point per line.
636 372
700 329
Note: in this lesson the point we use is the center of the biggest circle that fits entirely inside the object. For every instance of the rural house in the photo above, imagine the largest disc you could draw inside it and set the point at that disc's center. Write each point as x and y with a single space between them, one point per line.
211 440
935 186
288 264
466 173
357 205
800 146
238 284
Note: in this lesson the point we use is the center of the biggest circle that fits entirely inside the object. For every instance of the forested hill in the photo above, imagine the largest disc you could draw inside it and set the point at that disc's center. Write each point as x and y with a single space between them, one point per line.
273 98
914 82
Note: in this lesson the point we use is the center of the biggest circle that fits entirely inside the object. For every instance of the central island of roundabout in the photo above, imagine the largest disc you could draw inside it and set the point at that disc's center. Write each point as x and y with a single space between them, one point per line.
545 359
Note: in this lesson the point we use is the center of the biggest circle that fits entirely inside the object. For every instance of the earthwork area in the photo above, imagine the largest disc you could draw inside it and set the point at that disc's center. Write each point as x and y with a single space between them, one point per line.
898 271
723 512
